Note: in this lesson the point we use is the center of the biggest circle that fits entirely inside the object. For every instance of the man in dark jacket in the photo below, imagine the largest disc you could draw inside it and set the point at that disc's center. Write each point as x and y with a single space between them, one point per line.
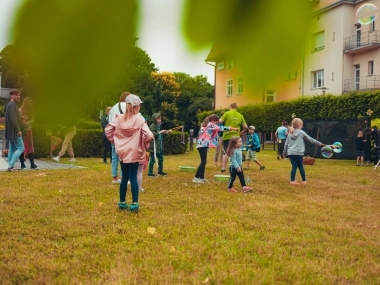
106 143
156 145
13 132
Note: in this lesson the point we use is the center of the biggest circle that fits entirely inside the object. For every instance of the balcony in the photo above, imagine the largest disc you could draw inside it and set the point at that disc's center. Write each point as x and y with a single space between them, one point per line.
361 83
364 41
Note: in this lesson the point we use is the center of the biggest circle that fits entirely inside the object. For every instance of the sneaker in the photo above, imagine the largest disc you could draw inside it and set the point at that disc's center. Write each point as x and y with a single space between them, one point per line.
262 167
197 180
278 157
303 183
357 165
134 207
162 173
361 164
123 206
118 181
231 190
34 166
203 180
72 160
294 183
23 167
141 190
12 169
152 175
56 158
223 170
247 189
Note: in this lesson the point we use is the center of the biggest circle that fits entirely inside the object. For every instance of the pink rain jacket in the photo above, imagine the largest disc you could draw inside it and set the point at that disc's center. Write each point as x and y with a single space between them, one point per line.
131 138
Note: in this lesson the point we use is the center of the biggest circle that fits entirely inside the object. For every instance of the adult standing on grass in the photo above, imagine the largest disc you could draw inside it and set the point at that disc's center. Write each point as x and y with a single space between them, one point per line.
280 136
375 135
13 132
117 110
131 137
106 143
295 148
235 120
69 132
27 118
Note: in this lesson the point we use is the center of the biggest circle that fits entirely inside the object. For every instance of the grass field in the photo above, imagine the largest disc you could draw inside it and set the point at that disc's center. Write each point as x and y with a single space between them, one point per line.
65 228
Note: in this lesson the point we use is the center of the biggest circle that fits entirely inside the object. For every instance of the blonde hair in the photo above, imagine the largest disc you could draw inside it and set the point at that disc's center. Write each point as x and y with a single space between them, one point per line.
107 110
296 124
123 96
25 108
131 111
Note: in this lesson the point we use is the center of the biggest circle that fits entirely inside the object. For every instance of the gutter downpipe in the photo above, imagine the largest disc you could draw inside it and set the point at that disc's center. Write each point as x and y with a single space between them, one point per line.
214 82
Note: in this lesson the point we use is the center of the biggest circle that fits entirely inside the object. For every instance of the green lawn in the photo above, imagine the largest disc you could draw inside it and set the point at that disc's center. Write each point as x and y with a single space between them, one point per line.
65 228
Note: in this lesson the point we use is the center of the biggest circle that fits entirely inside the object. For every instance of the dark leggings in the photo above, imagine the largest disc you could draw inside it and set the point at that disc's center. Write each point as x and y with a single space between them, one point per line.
297 162
201 168
106 148
235 173
129 173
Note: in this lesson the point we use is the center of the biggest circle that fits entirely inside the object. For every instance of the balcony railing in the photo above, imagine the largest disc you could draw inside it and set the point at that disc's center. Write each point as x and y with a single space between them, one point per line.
362 40
361 83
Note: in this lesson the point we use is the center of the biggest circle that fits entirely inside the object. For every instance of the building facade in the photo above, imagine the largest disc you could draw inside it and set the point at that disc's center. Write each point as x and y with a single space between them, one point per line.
339 55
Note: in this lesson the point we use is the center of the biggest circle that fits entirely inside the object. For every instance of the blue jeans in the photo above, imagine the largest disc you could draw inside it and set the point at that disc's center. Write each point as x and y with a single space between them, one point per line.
297 162
129 171
15 150
115 162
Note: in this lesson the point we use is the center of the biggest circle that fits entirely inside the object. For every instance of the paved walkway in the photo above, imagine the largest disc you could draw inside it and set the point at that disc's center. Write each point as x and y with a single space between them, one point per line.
42 164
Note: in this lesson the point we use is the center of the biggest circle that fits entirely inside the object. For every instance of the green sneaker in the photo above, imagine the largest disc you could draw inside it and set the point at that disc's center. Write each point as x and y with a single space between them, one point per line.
123 206
134 207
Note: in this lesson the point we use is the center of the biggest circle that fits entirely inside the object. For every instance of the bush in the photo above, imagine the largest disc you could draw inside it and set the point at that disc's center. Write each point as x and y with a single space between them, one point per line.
173 145
267 117
88 125
89 143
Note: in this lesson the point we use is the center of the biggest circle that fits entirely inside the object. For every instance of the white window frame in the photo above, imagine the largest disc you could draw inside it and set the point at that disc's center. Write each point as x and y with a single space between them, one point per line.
273 91
314 46
239 85
318 75
221 65
230 87
230 63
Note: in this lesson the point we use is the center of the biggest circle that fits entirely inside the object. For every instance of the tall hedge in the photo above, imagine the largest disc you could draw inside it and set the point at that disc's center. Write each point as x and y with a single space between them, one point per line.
267 117
89 143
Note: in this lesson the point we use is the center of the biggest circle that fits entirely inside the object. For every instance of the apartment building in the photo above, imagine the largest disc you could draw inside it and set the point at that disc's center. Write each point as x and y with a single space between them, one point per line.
339 55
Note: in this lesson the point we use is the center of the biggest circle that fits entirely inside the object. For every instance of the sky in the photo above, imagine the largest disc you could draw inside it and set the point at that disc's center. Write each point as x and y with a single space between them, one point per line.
159 33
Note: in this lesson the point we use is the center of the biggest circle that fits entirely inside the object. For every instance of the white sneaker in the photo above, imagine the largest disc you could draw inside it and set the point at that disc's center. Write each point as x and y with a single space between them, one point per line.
141 190
197 180
56 158
116 181
203 180
72 160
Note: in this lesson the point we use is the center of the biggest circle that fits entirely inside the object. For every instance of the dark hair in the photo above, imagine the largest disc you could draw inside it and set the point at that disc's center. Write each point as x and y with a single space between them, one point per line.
284 123
368 130
14 92
232 145
233 106
210 118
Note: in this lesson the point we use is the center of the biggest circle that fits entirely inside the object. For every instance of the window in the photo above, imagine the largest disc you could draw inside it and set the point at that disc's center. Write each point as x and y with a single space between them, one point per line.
220 65
239 85
230 85
318 41
372 26
291 75
318 79
270 95
230 63
370 67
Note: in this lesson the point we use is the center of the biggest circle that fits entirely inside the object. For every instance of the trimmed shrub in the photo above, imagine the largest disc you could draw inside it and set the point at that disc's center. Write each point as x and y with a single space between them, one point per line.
267 117
88 125
173 145
89 143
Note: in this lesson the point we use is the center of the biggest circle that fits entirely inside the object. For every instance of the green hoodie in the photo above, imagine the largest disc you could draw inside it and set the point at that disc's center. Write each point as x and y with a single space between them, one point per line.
155 128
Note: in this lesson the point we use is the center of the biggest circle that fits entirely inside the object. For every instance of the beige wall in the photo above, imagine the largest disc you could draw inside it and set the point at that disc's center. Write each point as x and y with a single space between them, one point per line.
338 24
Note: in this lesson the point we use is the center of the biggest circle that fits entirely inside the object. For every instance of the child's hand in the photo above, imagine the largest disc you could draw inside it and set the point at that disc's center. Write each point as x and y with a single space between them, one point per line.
238 169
